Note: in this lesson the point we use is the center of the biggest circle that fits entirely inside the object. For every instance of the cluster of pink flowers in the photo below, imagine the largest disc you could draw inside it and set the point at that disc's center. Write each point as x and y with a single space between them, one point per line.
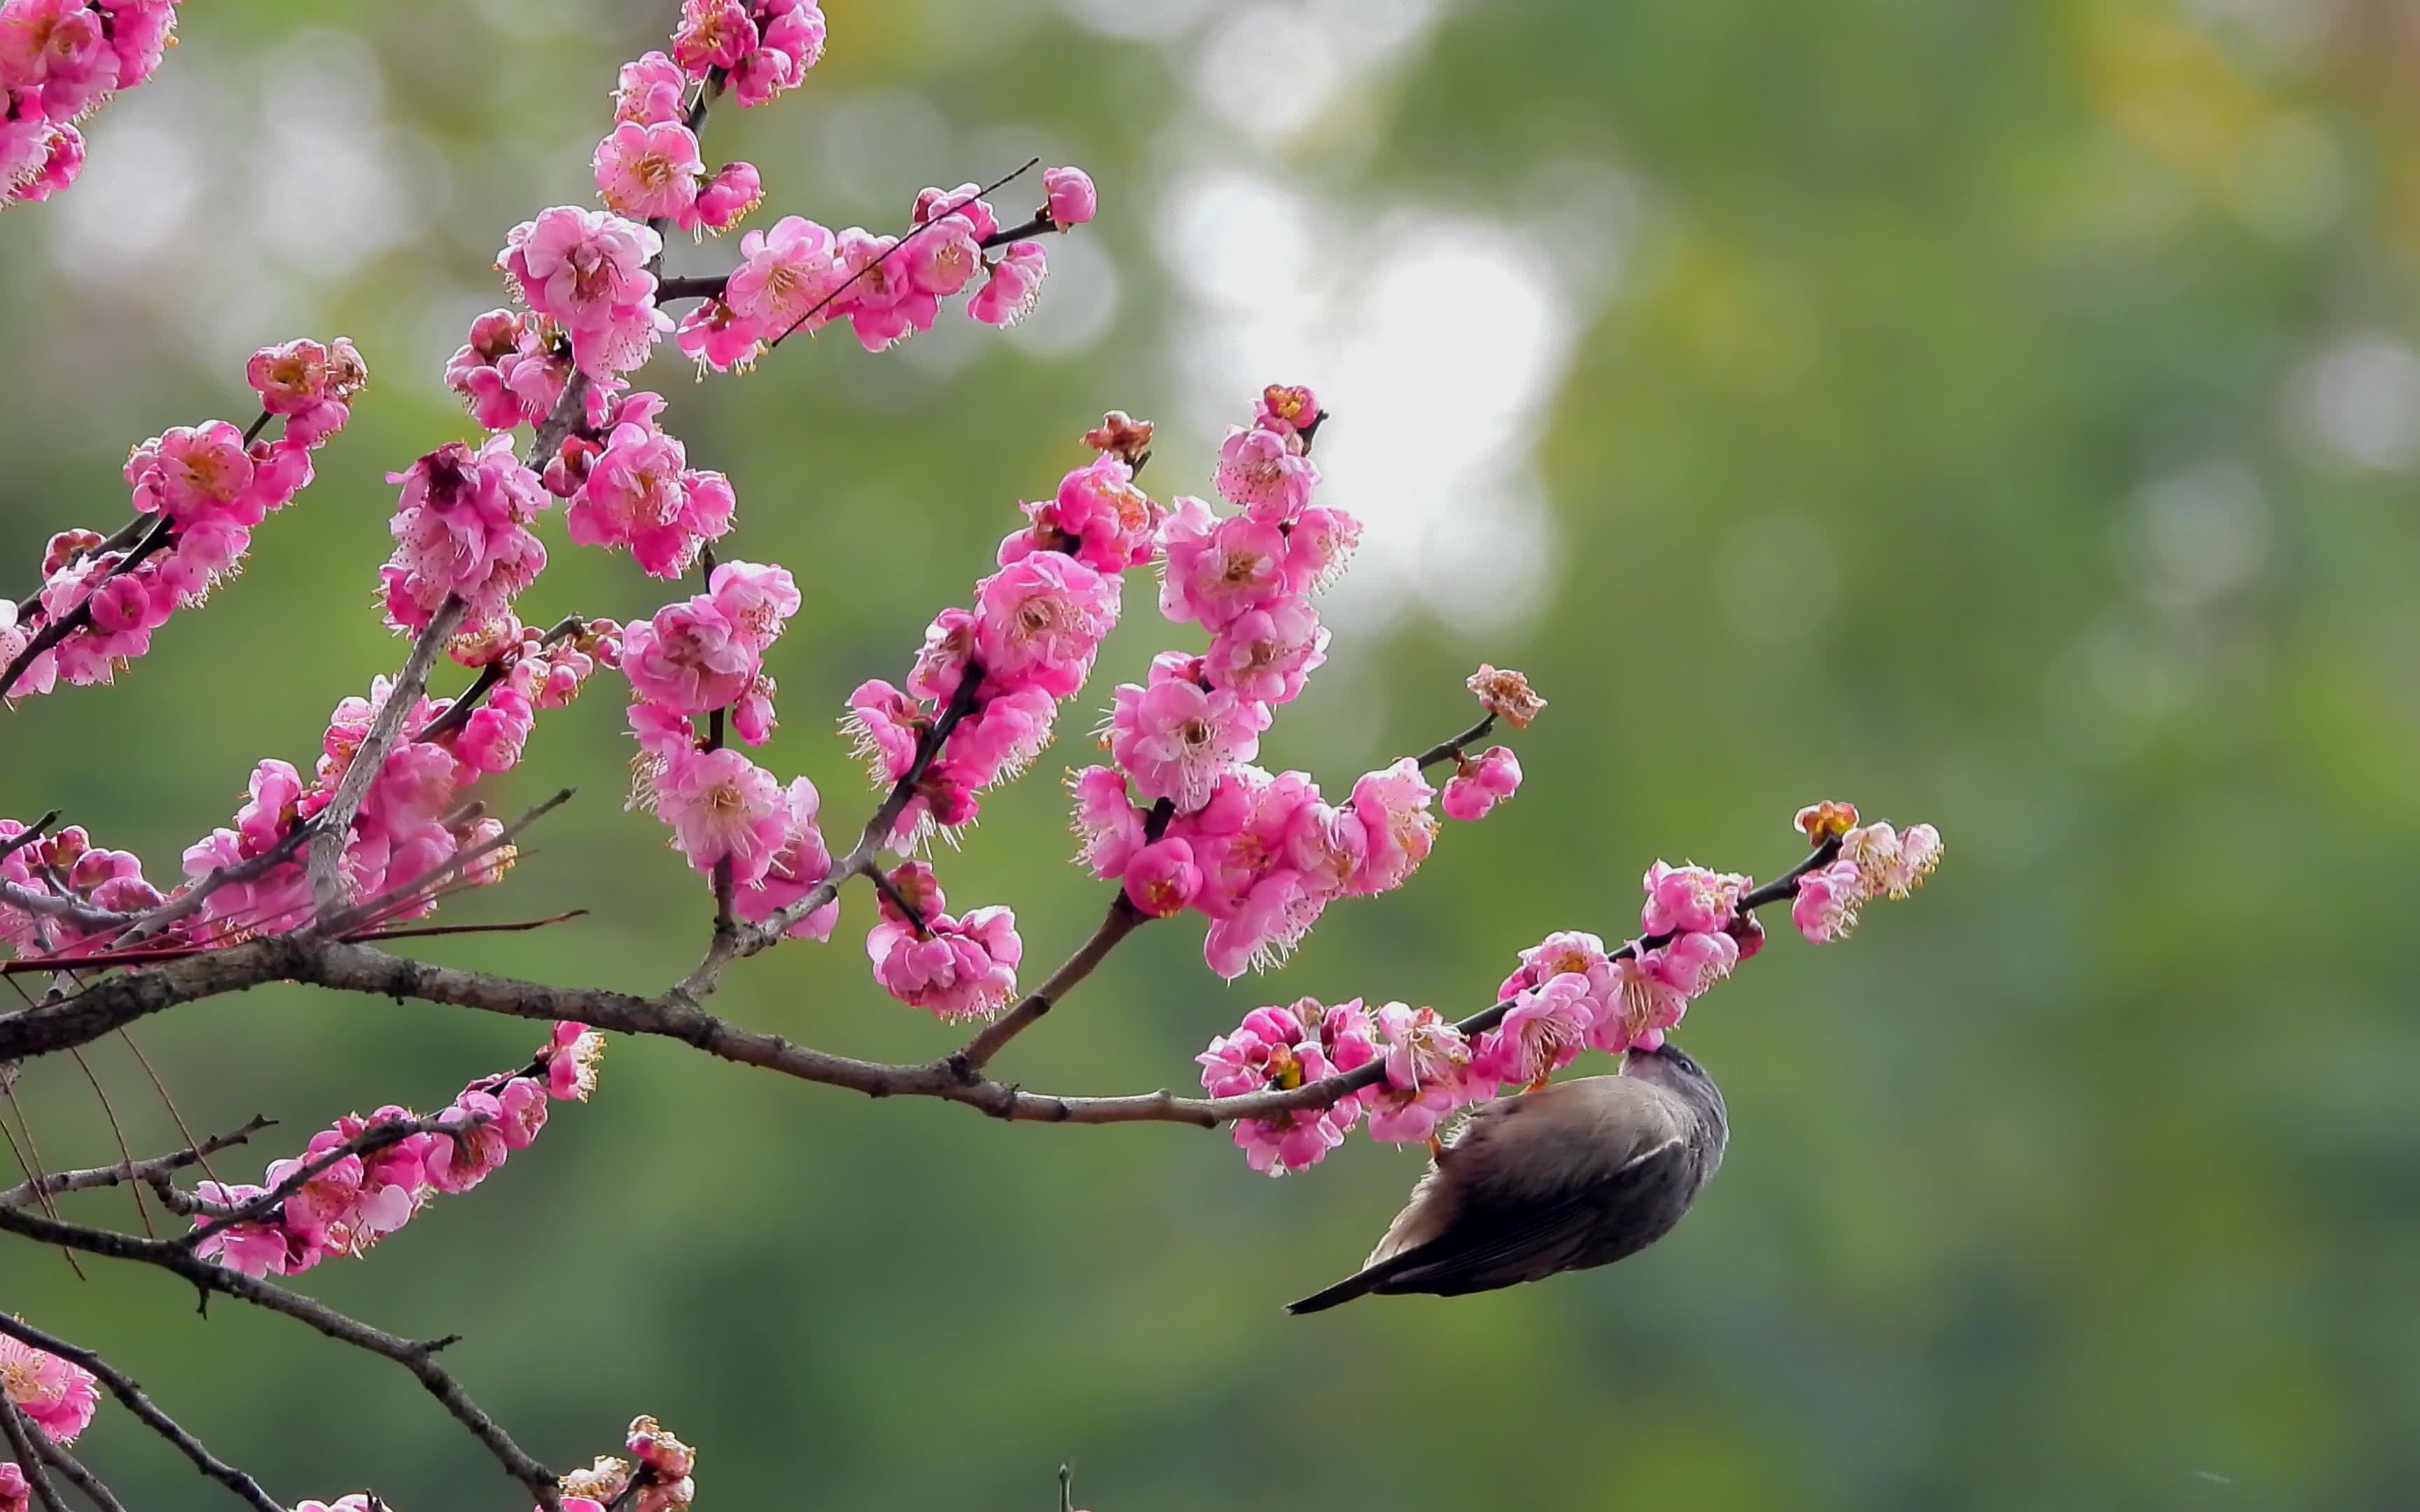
1569 993
461 529
413 820
1876 861
657 1476
59 61
513 369
762 47
649 166
16 1495
802 274
57 1396
1278 1049
704 654
1182 819
355 1202
198 490
630 488
954 967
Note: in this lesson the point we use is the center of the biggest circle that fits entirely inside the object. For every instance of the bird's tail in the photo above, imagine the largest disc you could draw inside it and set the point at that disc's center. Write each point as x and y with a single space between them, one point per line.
1357 1285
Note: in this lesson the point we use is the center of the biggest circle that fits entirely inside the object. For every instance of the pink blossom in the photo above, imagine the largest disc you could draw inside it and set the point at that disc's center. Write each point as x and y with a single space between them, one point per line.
1072 199
191 472
1266 472
792 42
955 968
713 33
722 806
1267 652
651 90
1686 899
1099 517
16 1495
1219 570
59 51
1280 1049
797 868
1318 546
784 272
1039 621
942 257
649 171
690 658
1827 906
461 529
1004 734
757 601
719 338
1546 1027
1013 283
1566 952
1651 989
572 1054
966 203
588 269
1393 804
471 1146
1471 793
57 1396
1176 737
1429 1074
727 198
1890 864
1108 821
1162 879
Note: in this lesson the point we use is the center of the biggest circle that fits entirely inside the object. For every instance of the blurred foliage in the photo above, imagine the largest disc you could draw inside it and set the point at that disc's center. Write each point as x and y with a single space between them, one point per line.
2000 414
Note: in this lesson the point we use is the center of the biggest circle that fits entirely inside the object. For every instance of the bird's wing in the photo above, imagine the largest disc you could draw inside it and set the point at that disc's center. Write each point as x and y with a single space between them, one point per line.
1495 1244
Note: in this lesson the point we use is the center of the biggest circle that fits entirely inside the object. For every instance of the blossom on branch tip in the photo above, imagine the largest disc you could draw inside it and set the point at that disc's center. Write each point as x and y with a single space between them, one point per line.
1072 199
1505 694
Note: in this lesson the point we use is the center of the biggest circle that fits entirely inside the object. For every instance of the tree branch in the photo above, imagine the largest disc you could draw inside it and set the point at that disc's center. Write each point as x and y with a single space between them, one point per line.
376 1137
29 1460
415 1355
146 1410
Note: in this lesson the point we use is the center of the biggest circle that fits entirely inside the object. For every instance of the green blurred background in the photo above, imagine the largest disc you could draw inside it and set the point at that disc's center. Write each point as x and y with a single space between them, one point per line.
2000 414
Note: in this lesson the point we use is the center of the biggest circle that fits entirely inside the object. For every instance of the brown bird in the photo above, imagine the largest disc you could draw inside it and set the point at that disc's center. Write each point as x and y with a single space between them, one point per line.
1573 1175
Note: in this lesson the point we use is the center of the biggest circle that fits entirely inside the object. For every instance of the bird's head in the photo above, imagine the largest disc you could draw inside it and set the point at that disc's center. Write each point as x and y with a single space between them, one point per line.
1668 1066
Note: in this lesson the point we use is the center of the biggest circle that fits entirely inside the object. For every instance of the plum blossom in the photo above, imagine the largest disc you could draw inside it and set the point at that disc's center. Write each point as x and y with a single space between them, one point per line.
1176 737
1480 785
649 171
722 806
1072 199
1429 1074
956 968
1279 1049
57 1396
587 270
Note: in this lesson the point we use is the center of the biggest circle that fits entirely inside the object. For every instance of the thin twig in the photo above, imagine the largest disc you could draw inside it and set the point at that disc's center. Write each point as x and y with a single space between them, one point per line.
103 1175
55 631
20 1435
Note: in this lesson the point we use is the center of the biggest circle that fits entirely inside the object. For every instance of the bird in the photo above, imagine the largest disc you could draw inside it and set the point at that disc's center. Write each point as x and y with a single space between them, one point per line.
1565 1177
